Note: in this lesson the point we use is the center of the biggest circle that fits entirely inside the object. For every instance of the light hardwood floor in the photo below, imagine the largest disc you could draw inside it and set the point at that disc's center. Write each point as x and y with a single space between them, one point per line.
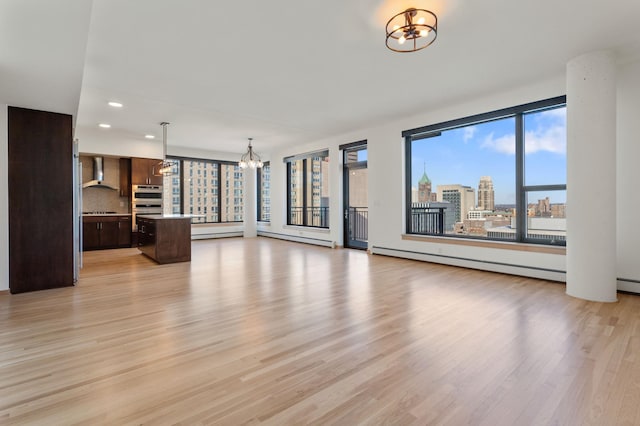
262 331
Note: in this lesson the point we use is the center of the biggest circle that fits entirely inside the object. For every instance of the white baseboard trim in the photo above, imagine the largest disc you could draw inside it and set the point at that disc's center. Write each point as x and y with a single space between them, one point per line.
629 285
212 235
298 239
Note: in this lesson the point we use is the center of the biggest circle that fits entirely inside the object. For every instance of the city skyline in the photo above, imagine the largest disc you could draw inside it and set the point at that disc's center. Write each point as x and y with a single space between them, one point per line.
463 155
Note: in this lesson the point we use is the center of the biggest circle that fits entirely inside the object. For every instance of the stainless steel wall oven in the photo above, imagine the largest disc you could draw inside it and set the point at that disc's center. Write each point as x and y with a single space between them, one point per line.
145 199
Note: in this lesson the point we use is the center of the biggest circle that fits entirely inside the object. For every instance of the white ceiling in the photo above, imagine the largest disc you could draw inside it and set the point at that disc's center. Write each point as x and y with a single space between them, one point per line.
282 71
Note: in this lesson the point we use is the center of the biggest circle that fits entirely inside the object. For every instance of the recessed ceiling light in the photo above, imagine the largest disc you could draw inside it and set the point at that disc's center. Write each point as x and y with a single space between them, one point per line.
115 104
149 136
104 125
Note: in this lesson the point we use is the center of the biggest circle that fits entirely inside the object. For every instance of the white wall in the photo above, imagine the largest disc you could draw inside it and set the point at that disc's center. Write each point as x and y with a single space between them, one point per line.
386 180
386 183
628 177
100 143
386 195
4 199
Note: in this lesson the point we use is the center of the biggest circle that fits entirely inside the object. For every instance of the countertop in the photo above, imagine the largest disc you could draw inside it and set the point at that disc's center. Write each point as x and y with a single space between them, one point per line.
106 214
168 216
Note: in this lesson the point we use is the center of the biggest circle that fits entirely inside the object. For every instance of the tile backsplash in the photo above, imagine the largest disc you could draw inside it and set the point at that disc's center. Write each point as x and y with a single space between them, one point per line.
102 199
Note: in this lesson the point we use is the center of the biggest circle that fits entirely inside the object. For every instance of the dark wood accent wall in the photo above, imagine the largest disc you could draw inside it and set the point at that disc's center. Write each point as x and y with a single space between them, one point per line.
40 200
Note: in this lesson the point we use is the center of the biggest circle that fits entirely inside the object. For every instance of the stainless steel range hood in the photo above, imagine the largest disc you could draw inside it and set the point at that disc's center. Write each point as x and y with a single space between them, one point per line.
98 176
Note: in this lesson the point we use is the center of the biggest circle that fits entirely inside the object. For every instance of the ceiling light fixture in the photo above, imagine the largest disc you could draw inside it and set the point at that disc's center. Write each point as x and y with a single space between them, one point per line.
105 125
411 30
115 104
149 136
165 167
250 159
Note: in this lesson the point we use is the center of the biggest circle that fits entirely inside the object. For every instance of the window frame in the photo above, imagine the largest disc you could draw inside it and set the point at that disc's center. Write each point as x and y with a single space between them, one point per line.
216 190
306 193
517 112
260 200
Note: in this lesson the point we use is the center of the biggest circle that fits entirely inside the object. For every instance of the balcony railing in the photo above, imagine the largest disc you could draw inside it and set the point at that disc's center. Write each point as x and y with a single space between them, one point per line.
358 223
427 220
317 217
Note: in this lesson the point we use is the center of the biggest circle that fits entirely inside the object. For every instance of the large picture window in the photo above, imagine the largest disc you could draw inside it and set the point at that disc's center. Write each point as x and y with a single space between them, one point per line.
308 190
264 193
210 189
500 175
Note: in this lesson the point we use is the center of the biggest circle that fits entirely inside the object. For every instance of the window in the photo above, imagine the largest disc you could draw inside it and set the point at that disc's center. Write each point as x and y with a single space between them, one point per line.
264 193
232 176
205 196
308 190
500 175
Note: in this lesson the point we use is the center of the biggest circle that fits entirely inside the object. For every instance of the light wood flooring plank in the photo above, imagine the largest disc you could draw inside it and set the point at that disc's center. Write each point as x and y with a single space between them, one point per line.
262 331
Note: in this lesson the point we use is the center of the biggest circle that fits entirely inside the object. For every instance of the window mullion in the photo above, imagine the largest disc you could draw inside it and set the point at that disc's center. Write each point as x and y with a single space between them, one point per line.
521 207
219 166
181 177
288 193
305 193
259 193
407 193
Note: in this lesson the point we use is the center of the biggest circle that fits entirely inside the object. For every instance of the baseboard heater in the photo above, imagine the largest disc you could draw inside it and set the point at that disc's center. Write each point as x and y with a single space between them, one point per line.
629 285
212 235
484 265
298 239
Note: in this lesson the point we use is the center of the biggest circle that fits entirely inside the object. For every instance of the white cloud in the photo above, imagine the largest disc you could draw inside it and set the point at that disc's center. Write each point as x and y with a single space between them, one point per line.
469 132
549 139
557 113
552 139
504 144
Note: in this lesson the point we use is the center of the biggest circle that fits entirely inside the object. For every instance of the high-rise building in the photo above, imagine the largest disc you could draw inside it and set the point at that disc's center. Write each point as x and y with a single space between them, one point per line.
543 208
559 210
200 191
486 194
265 192
316 191
424 189
462 197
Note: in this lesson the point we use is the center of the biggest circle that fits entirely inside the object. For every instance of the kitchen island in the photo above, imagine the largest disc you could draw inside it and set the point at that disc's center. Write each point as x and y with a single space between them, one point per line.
165 238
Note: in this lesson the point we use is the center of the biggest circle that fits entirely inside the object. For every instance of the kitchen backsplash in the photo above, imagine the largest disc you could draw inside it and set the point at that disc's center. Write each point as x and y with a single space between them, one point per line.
101 199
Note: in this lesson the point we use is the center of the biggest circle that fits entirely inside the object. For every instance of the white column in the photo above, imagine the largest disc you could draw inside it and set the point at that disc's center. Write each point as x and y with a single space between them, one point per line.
591 177
250 214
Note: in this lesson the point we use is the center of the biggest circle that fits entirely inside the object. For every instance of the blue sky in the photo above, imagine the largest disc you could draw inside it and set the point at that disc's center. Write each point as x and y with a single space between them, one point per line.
463 155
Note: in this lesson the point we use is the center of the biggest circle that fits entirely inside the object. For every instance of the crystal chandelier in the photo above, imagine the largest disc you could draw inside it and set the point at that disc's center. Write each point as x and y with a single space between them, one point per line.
250 159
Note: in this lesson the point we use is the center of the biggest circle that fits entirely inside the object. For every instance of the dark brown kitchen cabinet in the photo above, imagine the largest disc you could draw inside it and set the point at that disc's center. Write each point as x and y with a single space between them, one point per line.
165 239
124 231
40 202
106 232
142 172
125 177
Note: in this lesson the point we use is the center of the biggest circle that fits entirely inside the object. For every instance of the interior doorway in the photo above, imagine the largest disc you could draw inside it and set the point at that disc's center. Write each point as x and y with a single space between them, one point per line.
356 195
